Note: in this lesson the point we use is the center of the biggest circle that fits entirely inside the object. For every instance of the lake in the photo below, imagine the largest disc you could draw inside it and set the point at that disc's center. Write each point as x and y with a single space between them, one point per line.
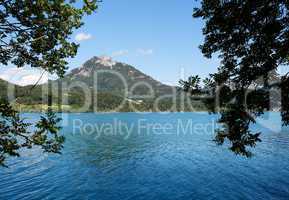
150 156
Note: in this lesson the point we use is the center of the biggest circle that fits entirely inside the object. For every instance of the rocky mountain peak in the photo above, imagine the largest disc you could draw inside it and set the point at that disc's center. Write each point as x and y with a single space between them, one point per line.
105 61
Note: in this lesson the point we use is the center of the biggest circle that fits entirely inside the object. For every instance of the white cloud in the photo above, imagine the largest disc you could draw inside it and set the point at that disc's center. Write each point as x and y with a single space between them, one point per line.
144 52
119 53
32 79
23 76
82 36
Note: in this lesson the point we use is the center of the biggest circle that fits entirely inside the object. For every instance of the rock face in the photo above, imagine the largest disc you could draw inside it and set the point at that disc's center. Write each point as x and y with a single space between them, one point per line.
105 61
107 75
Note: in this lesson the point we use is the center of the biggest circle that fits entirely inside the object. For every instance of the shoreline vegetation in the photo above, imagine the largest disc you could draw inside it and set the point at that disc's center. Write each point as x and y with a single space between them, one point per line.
39 108
104 85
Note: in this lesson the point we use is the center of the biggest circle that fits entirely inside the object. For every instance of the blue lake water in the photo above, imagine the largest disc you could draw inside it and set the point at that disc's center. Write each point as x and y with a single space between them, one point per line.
150 156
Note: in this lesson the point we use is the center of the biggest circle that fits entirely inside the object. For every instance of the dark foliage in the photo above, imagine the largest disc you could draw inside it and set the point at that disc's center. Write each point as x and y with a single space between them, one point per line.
285 100
15 134
251 39
36 33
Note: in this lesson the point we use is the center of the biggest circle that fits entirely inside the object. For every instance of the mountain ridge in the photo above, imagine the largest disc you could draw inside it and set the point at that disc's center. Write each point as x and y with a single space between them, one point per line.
113 82
111 73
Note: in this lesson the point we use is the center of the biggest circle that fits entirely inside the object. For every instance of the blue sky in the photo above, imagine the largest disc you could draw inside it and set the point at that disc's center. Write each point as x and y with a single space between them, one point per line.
158 37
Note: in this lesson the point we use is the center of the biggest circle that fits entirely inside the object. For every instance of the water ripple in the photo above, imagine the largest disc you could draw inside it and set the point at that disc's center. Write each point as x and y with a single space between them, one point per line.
188 166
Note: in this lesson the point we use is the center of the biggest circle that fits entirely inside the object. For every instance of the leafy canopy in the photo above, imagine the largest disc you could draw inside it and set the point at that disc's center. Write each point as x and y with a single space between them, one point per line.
15 135
36 33
251 39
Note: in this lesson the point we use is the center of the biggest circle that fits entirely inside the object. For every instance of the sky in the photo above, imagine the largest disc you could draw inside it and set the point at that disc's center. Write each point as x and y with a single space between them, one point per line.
158 37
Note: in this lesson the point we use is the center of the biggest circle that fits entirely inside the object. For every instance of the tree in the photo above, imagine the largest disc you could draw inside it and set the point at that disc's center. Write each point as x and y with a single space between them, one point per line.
251 39
36 33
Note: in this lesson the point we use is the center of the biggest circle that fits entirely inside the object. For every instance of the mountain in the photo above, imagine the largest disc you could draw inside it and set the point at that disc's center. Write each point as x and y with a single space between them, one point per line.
22 94
104 85
4 88
106 75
